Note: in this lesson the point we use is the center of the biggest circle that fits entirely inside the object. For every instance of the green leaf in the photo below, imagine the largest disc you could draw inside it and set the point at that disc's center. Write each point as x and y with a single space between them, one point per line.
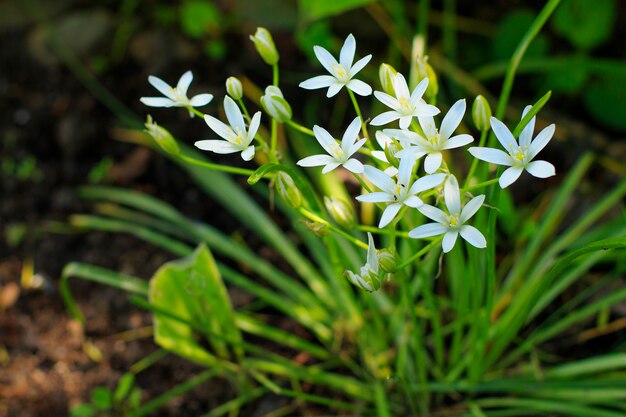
124 385
317 9
199 18
604 99
83 410
511 31
585 23
192 289
102 398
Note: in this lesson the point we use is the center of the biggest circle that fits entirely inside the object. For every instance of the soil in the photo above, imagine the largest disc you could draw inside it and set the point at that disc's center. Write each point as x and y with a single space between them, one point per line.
54 132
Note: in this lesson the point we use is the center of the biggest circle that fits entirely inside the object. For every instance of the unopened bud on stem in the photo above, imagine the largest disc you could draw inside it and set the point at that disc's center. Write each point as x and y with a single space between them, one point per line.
481 113
234 88
287 190
265 46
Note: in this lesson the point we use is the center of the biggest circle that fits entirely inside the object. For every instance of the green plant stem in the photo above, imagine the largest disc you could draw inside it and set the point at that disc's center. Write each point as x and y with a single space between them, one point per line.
244 109
274 142
195 111
275 75
481 185
358 112
481 143
362 181
314 217
300 128
216 167
376 230
422 20
423 251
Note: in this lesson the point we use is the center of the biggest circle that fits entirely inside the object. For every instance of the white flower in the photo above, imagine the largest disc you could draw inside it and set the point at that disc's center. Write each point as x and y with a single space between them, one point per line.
341 72
520 156
436 140
451 224
405 105
399 192
238 139
338 155
368 277
175 97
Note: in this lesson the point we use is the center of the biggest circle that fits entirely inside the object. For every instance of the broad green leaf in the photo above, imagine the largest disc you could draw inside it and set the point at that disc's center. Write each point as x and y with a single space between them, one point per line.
102 398
199 18
585 23
192 289
317 9
510 32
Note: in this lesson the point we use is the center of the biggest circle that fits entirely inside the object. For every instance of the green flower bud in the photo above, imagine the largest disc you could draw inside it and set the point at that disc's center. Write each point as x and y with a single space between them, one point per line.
287 190
390 153
425 70
275 104
387 261
234 88
318 229
162 137
481 113
340 211
366 280
387 73
265 46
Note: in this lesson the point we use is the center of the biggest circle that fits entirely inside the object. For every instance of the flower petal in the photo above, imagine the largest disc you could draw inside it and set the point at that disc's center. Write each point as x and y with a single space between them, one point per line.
351 134
200 100
413 201
163 87
504 135
248 153
390 212
428 230
509 176
386 99
346 55
316 160
220 128
234 116
325 139
254 126
471 208
419 90
493 156
184 82
384 118
452 119
540 169
355 147
359 65
432 162
375 197
330 166
473 236
541 141
353 165
400 86
372 257
405 170
325 58
359 87
433 213
458 141
379 179
452 195
158 102
217 146
426 183
449 239
424 109
321 81
405 121
427 123
527 134
334 89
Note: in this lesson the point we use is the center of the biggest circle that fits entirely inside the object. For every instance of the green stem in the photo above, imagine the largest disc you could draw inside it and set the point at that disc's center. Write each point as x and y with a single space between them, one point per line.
362 181
274 141
358 112
422 19
244 109
195 111
275 75
316 218
481 143
424 250
216 167
481 185
300 128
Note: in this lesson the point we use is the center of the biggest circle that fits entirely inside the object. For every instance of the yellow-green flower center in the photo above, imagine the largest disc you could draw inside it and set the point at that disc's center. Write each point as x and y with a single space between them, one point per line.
341 73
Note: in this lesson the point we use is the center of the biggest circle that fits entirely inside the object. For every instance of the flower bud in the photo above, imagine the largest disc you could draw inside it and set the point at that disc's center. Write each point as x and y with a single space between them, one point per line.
162 137
234 88
387 74
425 70
366 279
340 211
265 46
275 104
387 261
318 229
390 152
481 113
287 190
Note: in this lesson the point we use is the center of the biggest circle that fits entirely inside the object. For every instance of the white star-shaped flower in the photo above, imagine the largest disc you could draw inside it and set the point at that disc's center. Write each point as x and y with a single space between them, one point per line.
451 224
237 137
405 105
368 277
337 155
342 72
175 96
520 156
399 192
436 140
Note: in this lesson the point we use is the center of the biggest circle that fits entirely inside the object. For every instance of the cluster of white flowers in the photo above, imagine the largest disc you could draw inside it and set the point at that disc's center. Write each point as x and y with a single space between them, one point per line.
396 155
